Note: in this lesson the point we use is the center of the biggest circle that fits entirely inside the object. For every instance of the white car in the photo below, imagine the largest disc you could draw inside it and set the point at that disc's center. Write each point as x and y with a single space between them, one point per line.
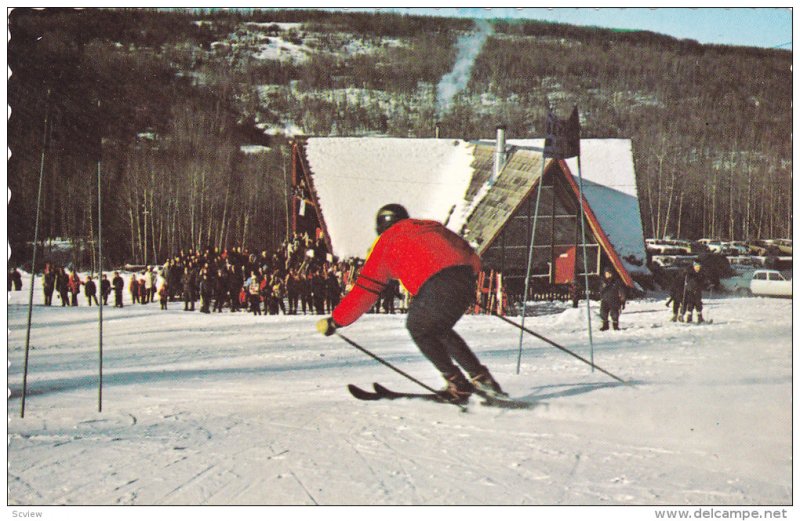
770 283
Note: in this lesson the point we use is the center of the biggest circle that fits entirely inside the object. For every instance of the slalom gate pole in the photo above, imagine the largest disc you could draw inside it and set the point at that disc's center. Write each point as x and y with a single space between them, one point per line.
530 258
33 261
393 368
100 278
558 346
585 262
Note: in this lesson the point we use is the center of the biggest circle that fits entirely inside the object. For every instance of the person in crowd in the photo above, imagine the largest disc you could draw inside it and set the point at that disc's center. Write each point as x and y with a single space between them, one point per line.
333 291
276 294
206 289
305 293
163 294
293 291
235 283
133 287
220 290
90 290
14 279
188 282
143 292
390 292
118 284
62 286
254 293
318 292
74 287
49 284
149 285
105 289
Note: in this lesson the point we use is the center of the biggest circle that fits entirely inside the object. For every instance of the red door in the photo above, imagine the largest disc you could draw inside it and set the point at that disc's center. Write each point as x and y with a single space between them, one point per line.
565 264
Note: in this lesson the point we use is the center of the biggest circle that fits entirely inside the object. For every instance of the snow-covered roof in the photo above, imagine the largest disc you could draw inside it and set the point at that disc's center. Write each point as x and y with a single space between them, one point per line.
609 186
354 177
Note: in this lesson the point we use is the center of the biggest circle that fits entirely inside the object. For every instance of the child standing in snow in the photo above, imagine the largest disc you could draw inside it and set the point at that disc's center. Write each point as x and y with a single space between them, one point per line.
612 298
163 295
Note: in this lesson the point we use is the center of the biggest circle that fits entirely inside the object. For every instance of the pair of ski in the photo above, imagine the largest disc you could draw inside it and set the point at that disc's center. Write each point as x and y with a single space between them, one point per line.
382 393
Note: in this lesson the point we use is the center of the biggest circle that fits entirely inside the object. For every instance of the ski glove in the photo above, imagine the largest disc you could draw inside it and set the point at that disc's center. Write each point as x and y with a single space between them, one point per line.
326 326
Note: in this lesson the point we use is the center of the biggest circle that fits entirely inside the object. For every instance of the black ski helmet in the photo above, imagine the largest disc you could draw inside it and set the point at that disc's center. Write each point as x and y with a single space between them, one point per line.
388 215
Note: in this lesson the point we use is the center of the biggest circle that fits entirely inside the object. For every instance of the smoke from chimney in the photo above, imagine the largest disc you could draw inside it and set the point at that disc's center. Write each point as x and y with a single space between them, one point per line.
469 46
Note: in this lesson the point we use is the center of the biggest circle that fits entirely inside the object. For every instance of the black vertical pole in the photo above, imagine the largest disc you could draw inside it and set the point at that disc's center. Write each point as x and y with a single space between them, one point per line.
100 269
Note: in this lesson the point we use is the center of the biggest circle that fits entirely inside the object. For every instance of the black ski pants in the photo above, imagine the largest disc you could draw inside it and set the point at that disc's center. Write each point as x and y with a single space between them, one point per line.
433 312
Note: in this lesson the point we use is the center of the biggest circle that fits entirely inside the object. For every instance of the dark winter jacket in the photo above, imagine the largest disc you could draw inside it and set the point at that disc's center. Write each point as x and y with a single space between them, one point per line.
188 284
677 286
695 282
612 292
49 282
90 288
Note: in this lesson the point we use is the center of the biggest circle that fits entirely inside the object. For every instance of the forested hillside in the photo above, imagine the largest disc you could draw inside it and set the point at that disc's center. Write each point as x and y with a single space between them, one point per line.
187 115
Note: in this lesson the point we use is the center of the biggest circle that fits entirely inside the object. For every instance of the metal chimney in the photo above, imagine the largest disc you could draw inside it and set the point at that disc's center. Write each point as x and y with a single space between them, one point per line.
499 154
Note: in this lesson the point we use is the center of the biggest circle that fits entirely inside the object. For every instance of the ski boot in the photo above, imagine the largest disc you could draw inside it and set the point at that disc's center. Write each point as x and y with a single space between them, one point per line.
458 388
604 327
674 318
485 385
700 319
616 326
688 317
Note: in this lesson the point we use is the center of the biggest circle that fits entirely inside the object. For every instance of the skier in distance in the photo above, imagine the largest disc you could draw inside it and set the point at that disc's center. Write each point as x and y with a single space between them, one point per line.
439 269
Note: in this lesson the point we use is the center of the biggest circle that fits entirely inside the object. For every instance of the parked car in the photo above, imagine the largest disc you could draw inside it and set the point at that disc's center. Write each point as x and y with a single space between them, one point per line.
770 283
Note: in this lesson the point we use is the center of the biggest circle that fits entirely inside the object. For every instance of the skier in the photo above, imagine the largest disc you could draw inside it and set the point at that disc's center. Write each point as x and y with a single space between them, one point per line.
612 298
676 290
693 292
439 269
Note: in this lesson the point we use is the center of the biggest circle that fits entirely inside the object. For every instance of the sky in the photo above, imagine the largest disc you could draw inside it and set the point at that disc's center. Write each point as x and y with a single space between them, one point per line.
756 27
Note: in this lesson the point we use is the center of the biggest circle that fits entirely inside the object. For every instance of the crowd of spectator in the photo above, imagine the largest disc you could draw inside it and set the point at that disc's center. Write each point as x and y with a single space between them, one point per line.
298 277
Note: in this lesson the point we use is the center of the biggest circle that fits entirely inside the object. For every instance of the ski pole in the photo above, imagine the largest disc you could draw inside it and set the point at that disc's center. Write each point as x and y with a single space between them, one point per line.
558 346
395 369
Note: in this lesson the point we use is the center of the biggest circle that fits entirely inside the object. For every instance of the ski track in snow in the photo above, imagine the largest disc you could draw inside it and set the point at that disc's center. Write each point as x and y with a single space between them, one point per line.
232 409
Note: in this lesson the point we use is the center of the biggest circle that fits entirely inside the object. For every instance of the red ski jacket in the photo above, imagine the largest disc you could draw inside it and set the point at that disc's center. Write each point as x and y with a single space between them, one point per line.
411 251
